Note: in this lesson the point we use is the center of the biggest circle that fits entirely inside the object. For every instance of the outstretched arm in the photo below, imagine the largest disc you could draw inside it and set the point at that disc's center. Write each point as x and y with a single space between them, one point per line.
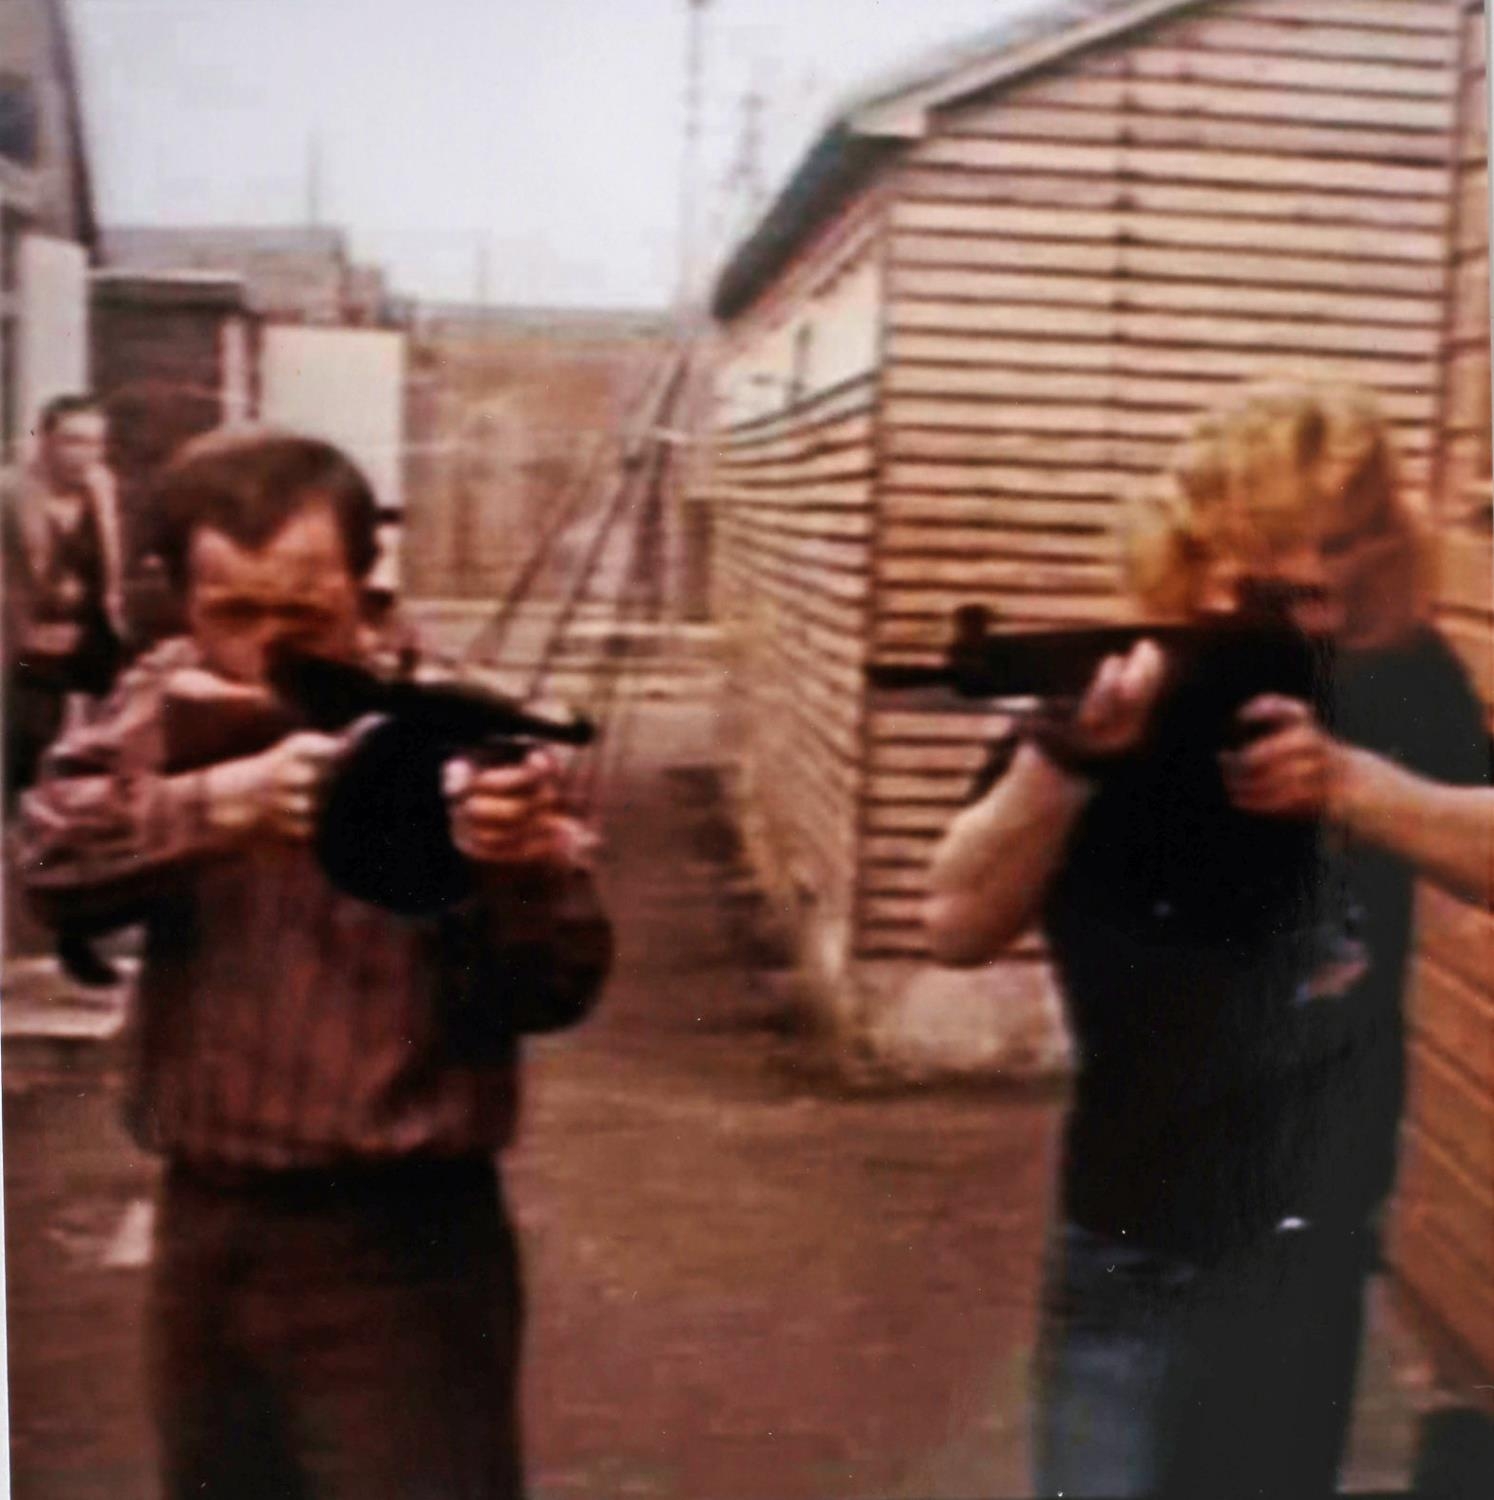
106 831
992 869
993 866
1445 833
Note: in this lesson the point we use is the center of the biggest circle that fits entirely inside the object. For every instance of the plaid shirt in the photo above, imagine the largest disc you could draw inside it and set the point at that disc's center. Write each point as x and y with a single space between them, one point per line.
279 1023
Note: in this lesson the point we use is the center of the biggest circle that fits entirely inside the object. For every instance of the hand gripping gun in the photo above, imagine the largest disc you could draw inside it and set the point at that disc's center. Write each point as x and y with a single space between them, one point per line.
1215 666
383 834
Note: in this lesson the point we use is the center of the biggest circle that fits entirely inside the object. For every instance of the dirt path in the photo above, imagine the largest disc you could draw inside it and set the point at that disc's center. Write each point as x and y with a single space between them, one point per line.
748 1283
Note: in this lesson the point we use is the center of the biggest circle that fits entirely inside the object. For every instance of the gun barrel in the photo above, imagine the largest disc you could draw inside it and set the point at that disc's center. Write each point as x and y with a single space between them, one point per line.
1027 663
332 694
1054 663
452 711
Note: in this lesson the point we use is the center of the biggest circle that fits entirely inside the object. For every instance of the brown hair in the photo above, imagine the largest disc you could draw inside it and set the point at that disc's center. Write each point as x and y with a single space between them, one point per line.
248 484
59 407
1282 464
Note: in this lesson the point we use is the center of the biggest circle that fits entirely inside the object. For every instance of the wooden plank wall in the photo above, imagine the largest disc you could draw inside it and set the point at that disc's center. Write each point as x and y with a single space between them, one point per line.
791 490
1444 1244
1078 266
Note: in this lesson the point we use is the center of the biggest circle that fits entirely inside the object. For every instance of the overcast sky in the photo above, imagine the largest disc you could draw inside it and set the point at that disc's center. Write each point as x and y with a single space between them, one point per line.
552 128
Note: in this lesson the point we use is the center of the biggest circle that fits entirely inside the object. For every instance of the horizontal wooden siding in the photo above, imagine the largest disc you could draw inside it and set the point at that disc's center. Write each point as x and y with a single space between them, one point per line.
1078 267
1444 1244
791 490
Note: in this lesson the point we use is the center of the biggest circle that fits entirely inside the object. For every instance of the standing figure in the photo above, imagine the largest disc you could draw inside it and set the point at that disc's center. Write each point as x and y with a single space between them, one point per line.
1230 926
64 620
335 1307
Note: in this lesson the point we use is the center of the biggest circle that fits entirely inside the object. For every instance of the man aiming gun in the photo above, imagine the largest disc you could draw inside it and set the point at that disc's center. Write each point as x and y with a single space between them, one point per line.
336 1305
1230 924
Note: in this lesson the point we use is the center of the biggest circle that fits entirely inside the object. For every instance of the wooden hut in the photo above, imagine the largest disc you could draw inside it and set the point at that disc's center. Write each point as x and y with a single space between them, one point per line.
1444 1244
992 296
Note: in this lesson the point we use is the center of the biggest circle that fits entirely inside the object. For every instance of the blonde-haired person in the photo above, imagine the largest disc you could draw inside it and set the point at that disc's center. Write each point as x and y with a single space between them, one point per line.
1231 928
1296 477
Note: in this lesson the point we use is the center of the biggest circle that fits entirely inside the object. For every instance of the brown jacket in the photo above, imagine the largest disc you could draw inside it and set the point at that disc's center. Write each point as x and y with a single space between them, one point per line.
26 540
279 1022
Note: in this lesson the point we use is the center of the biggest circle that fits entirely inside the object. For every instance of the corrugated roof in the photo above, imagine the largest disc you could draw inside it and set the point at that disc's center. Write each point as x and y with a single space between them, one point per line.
876 120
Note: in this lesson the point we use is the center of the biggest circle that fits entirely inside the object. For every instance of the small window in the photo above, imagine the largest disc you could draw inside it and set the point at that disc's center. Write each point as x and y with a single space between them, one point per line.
19 118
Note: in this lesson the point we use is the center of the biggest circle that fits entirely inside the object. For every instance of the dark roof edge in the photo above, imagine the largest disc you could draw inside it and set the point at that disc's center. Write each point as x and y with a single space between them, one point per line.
882 121
171 288
80 172
835 169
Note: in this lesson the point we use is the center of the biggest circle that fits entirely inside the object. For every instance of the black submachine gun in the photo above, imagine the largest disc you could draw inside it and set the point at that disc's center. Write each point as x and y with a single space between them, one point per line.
383 834
1214 667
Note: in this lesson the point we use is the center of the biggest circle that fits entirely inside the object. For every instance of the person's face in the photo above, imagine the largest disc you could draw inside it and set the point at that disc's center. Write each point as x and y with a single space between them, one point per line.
1315 570
75 445
295 590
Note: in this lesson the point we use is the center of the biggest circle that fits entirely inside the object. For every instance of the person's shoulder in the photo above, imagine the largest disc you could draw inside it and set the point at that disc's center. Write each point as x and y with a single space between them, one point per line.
150 672
102 487
1445 719
130 715
168 655
1430 660
20 513
14 482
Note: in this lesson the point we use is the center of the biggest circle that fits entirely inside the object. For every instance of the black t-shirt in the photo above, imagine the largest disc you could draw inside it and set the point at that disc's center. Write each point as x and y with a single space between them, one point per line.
1234 983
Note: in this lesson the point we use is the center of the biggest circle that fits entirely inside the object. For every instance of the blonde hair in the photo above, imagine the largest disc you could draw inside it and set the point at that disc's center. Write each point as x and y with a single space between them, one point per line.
1281 465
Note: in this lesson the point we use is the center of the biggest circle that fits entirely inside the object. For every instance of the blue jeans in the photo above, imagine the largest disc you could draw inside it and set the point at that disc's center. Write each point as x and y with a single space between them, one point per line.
1159 1376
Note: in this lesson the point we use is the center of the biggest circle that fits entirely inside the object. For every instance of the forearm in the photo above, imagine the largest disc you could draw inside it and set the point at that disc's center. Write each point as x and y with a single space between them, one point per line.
989 874
102 849
1446 833
549 949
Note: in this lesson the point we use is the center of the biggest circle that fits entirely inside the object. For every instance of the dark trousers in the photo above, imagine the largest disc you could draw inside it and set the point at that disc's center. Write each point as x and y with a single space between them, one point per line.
33 714
1159 1376
350 1337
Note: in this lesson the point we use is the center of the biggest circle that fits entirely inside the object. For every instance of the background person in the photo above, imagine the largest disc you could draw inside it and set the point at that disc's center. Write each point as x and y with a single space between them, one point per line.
1232 948
64 618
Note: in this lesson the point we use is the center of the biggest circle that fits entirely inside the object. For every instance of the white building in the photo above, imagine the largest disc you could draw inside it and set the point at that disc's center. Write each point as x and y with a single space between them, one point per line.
48 234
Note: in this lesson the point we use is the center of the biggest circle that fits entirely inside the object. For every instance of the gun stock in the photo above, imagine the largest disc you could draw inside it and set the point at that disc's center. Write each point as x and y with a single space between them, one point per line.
207 720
